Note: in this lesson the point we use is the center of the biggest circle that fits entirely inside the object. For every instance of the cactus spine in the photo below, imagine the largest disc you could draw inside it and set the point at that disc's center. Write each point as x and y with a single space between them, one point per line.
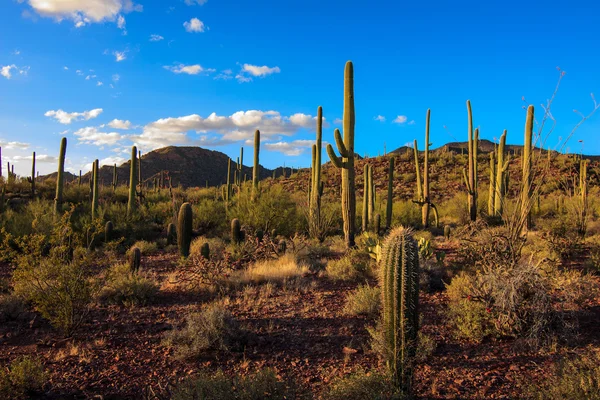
60 177
501 176
346 160
95 193
526 191
132 182
236 236
256 166
400 289
471 178
492 189
184 229
390 195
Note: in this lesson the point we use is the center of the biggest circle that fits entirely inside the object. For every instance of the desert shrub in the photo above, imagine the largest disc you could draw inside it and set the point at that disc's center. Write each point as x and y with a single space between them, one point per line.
405 213
24 377
432 275
574 379
365 300
310 252
146 248
263 384
128 288
275 271
216 246
210 216
211 329
362 385
562 236
485 247
355 265
11 307
455 210
426 346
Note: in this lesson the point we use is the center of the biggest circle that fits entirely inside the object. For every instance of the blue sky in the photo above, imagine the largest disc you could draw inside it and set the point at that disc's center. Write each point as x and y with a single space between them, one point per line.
111 73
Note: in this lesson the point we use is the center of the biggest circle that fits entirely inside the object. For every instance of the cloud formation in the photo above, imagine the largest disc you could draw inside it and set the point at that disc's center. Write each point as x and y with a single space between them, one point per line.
91 135
85 12
120 124
156 38
400 119
194 25
294 148
379 118
66 118
5 70
189 69
14 145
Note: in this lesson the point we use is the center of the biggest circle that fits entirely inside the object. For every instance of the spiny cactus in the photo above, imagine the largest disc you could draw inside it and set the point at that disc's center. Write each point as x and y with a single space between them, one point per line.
255 171
365 206
205 250
33 175
346 160
135 259
471 178
228 187
108 231
492 188
131 204
184 229
447 232
236 236
79 181
140 180
316 186
527 188
423 198
371 196
95 193
60 177
171 233
400 290
390 195
116 178
501 176
377 224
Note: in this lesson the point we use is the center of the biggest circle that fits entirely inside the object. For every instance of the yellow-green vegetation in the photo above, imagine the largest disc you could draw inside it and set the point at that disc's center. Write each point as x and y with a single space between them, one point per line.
364 300
363 385
23 378
355 265
126 287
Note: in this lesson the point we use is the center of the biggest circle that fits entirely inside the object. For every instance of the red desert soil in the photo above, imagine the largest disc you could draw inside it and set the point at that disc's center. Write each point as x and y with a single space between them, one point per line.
299 331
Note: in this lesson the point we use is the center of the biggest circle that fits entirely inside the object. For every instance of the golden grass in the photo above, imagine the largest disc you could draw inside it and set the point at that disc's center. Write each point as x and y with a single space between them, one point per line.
280 270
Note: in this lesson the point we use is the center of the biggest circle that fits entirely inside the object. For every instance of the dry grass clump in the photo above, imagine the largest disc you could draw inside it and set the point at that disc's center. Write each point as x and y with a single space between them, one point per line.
365 300
280 270
355 265
128 288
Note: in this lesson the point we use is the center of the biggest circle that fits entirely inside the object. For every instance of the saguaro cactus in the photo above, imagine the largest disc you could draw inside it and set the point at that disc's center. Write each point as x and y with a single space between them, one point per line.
171 233
256 165
135 259
60 177
492 188
95 193
423 198
400 289
140 180
131 204
184 229
115 179
527 189
228 190
371 195
501 176
365 206
316 186
33 175
108 231
471 178
346 160
390 194
236 234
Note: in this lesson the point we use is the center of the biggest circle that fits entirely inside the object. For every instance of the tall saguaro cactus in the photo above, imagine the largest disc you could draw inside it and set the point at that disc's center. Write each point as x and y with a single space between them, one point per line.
316 186
492 188
527 189
132 182
95 193
60 177
228 189
390 194
115 180
501 176
400 290
33 175
367 187
184 229
423 198
256 165
471 178
346 160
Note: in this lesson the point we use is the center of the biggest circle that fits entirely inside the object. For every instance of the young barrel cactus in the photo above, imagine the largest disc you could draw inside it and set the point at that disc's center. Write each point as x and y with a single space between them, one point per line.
184 229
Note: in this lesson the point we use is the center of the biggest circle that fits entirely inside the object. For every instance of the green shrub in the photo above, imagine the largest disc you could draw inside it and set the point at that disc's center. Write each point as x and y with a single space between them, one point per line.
128 288
213 328
216 245
24 377
146 248
361 386
11 307
209 216
264 384
574 379
365 300
355 265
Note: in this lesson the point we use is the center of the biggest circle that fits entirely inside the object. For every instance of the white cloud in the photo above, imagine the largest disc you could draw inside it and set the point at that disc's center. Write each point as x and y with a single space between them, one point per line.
255 70
400 119
294 148
14 145
412 122
66 68
225 75
66 118
39 158
337 121
189 69
156 38
120 55
16 52
84 12
5 71
119 124
194 25
91 135
218 130
242 78
121 24
116 77
87 78
112 161
79 72
195 2
99 83
379 118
